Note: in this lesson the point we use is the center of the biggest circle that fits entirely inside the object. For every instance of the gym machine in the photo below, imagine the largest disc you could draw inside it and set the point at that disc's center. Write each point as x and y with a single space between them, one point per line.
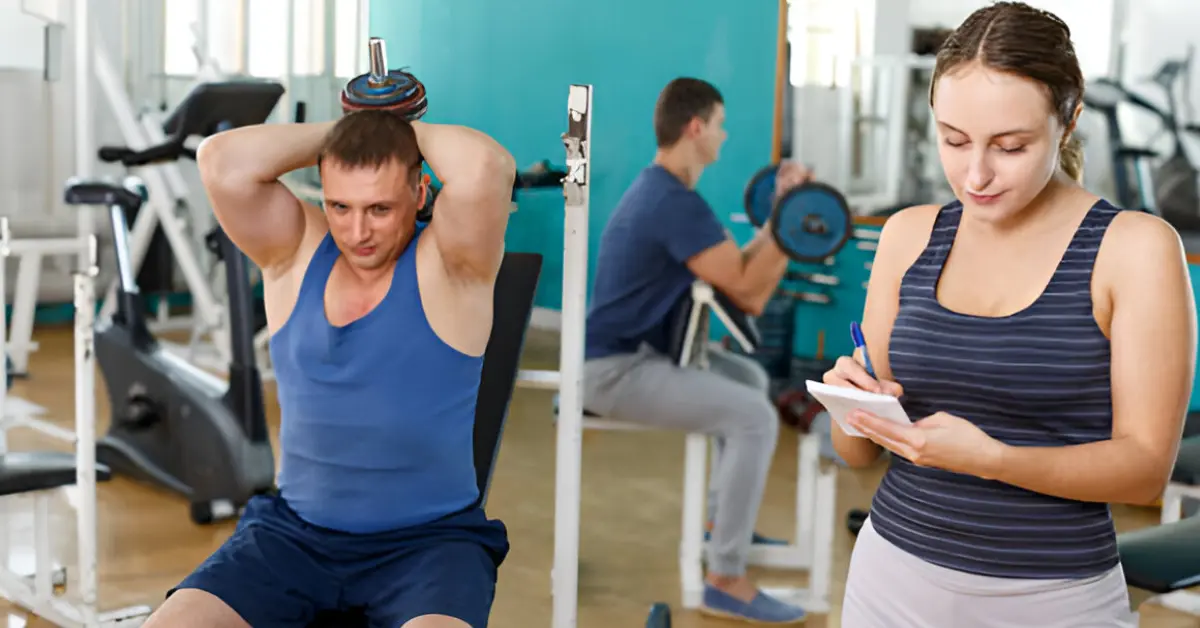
1105 96
36 476
173 424
1163 184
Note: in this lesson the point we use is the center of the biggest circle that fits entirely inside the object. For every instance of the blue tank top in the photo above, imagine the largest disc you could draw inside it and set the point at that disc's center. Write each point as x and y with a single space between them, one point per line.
1039 377
377 417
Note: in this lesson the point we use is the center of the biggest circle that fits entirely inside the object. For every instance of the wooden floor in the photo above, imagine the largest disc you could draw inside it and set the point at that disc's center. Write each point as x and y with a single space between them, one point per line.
631 504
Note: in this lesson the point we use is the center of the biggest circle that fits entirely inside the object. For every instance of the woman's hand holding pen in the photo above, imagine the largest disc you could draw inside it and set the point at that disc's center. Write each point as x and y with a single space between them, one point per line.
857 371
940 440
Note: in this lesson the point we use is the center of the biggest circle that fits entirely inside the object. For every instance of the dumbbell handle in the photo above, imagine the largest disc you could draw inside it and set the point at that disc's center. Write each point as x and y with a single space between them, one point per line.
378 54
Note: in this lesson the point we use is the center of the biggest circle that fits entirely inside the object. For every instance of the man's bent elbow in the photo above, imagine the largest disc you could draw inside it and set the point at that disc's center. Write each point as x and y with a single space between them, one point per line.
210 157
745 299
218 162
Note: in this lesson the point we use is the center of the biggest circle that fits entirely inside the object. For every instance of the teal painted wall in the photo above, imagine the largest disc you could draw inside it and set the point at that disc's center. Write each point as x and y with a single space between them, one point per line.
504 68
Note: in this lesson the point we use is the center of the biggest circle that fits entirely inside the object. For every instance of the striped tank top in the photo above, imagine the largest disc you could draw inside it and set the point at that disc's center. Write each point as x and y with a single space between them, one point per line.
1039 377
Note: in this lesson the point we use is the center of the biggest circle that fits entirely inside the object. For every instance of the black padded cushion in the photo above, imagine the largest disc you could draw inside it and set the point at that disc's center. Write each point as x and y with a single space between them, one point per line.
1164 558
743 321
680 313
26 472
1187 464
512 306
677 323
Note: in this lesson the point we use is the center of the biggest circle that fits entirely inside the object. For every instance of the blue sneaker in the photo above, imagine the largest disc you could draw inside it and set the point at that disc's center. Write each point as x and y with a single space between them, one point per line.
763 609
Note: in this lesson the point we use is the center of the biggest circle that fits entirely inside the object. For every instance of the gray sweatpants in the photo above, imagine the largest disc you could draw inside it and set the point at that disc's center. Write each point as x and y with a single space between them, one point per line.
728 401
890 588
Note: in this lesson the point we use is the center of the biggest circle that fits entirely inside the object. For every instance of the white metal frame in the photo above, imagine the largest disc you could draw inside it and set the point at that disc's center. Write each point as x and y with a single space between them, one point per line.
1172 511
568 380
37 593
811 548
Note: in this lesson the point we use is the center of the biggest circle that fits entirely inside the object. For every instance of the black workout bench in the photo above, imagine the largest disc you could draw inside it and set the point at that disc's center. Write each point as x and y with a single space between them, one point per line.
1165 559
512 307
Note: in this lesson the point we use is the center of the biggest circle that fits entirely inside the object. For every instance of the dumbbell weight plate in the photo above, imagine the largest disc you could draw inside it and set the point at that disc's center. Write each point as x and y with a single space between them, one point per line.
812 222
759 194
401 91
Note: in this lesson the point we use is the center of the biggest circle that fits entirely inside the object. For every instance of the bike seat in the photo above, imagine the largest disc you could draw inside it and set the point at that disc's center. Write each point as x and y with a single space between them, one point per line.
103 192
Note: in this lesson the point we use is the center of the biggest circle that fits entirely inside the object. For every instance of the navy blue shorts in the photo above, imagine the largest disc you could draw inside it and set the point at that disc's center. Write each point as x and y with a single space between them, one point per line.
278 570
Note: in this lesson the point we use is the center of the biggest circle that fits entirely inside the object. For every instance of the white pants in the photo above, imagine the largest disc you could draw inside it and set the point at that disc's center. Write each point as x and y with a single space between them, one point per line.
890 588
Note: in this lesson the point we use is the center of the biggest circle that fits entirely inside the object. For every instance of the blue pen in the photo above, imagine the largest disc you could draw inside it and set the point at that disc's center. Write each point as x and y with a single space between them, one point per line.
860 342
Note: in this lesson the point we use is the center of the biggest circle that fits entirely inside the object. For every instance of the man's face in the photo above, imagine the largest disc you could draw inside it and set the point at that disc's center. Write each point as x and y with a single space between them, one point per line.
371 212
710 135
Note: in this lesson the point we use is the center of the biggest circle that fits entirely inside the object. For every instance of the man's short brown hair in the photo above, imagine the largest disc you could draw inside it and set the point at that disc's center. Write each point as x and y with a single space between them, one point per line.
682 100
370 139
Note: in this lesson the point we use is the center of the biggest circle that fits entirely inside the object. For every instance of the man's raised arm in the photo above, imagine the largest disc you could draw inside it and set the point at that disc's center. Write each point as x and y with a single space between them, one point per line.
241 168
470 214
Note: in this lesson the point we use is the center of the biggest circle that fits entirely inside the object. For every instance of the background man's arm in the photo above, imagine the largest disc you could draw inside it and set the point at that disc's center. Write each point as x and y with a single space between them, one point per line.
471 211
241 168
751 274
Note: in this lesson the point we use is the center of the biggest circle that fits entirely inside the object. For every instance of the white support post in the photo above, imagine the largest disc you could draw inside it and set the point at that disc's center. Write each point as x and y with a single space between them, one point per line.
808 466
691 545
825 514
85 433
24 309
5 240
568 470
85 138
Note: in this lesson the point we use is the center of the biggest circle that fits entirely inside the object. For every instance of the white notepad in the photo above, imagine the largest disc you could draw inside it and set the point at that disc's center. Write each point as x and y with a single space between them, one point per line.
841 401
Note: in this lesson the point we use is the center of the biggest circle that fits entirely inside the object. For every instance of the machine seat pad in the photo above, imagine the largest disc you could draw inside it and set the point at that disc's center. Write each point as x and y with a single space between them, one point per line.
26 472
1163 558
1187 464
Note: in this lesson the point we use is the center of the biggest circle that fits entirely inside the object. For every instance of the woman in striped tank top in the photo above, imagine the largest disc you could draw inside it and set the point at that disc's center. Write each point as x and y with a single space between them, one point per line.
1042 340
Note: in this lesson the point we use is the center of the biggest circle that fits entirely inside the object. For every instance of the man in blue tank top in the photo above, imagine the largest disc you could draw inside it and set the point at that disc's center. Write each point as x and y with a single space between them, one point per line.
378 331
660 238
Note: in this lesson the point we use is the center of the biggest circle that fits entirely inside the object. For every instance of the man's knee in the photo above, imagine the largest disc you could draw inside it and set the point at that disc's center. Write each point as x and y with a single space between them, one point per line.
194 608
752 416
436 621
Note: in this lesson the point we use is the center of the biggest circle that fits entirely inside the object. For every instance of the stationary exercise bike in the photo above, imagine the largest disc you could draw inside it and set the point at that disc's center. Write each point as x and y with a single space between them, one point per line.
173 424
1164 184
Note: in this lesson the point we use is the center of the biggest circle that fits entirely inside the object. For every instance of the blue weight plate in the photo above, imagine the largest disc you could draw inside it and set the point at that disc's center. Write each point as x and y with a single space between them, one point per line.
812 222
759 194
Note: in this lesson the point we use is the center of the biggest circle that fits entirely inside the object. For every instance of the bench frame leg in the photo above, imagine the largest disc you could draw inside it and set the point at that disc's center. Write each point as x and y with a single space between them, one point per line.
810 550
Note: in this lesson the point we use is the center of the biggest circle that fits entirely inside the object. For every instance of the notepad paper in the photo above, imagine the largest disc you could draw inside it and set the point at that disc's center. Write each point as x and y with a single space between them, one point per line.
841 401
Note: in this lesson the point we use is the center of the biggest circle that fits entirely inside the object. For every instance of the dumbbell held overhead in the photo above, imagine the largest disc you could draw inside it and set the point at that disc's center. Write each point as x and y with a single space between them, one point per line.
810 222
382 88
397 91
